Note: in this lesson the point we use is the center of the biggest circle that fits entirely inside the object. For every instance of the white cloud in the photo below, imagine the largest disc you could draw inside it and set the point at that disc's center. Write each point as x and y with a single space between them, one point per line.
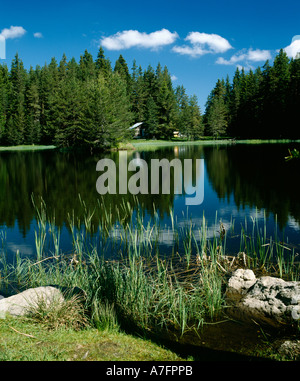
215 43
245 67
232 61
293 48
13 32
258 55
174 78
193 51
38 35
246 56
203 43
2 48
133 38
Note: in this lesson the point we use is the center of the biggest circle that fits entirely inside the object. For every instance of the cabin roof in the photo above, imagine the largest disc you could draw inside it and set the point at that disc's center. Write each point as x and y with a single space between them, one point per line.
135 125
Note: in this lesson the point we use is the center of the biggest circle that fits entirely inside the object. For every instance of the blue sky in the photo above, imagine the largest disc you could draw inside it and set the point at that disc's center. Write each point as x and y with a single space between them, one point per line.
199 41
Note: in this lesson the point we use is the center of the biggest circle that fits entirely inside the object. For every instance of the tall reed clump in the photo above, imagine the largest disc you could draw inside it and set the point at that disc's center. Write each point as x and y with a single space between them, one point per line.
267 253
151 297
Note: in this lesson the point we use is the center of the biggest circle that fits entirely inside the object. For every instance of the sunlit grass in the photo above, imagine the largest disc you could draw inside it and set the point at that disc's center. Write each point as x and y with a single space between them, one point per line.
26 148
24 340
152 145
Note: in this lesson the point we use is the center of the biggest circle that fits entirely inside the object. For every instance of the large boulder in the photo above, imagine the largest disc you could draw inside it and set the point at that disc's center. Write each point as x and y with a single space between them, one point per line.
266 299
24 302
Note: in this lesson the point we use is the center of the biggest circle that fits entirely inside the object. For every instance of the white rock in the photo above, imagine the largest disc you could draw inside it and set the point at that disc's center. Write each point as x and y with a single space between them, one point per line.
268 299
20 304
241 281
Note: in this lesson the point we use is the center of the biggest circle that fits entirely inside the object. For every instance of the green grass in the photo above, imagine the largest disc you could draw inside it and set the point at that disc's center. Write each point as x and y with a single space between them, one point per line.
263 141
26 148
23 340
155 144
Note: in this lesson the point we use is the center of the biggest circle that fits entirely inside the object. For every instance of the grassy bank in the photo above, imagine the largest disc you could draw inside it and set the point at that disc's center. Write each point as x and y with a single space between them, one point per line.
26 148
156 144
128 281
23 340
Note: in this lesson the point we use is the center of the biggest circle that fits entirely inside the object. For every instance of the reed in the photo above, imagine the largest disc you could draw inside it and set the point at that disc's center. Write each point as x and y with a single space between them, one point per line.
129 280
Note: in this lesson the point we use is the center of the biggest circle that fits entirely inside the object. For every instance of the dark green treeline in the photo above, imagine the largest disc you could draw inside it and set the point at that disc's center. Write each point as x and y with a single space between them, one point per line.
258 104
90 103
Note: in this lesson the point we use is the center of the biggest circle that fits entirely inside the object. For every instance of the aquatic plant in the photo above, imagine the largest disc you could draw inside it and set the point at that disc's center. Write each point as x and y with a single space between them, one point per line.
128 278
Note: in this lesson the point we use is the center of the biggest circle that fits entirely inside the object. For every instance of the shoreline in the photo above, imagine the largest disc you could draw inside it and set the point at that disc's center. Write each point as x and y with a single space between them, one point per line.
27 148
144 143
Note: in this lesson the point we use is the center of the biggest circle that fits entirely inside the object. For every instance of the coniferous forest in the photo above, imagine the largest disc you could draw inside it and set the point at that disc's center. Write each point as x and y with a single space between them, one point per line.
92 103
260 104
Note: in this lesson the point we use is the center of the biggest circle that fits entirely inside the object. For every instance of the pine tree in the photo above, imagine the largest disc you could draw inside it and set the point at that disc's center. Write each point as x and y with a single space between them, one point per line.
102 64
166 105
138 95
49 83
151 123
182 110
62 68
122 69
67 106
15 132
4 100
33 108
217 118
195 127
279 86
294 99
234 104
217 111
115 107
75 71
87 68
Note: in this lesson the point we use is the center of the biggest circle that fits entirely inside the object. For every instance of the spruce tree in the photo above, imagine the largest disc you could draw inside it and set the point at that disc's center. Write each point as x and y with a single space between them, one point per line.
182 110
166 105
87 68
102 64
49 82
216 111
15 132
151 124
33 108
122 69
138 96
195 126
294 99
4 100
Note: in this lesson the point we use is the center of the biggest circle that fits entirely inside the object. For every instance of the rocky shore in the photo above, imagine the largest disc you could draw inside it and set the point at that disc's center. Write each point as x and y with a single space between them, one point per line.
266 301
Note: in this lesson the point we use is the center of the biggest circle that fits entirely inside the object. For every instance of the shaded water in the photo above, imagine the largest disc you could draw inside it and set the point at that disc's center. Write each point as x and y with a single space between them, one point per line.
240 182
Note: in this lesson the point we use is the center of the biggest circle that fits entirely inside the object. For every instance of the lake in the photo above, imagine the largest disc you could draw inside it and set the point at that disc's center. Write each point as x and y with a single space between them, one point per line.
239 182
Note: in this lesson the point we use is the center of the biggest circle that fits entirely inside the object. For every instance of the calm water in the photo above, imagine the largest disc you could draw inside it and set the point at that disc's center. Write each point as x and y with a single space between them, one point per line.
240 182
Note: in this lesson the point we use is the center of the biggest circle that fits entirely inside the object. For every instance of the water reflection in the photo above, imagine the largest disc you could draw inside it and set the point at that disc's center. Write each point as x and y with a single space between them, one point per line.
239 181
256 176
